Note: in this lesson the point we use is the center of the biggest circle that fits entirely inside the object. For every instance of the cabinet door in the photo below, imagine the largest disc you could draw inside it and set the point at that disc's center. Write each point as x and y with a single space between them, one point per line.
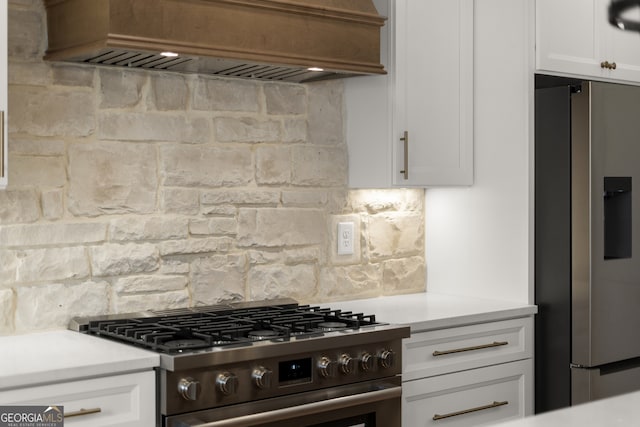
427 49
369 109
433 93
4 82
474 398
567 37
442 351
574 38
117 401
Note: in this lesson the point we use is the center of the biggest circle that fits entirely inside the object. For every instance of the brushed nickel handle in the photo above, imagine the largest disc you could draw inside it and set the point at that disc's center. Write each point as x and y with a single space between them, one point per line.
405 138
82 412
2 153
437 417
475 347
308 409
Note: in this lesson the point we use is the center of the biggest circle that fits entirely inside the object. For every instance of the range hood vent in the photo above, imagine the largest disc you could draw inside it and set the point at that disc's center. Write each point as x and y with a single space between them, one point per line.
287 40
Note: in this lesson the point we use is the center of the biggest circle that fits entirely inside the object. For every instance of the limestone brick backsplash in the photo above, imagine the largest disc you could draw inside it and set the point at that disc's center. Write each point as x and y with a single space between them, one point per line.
133 190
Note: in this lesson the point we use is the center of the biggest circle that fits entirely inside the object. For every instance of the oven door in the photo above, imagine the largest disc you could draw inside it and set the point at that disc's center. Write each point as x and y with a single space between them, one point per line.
367 404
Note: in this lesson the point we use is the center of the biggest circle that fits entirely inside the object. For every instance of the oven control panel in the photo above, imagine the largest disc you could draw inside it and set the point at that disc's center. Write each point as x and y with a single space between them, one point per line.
244 381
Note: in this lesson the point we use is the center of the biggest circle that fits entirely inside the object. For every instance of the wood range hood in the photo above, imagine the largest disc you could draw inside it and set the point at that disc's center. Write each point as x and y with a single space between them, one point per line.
260 39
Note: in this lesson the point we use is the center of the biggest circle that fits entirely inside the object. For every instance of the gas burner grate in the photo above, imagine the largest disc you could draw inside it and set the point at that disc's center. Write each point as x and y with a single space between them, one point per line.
201 328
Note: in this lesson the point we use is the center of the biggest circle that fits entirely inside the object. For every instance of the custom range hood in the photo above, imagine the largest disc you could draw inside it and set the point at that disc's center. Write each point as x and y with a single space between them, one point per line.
287 40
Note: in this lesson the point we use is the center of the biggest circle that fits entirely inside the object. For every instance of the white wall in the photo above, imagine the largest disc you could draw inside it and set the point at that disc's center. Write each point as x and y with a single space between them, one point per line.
479 239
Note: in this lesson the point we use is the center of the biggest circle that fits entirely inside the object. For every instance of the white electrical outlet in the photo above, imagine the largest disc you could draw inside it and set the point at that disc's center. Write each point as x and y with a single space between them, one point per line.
345 238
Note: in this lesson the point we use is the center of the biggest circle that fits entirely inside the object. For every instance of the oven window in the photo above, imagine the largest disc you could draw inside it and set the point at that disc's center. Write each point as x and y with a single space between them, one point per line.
367 420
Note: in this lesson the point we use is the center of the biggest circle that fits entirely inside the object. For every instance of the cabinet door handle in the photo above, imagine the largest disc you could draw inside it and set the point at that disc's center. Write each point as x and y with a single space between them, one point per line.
82 412
608 65
437 417
405 139
476 347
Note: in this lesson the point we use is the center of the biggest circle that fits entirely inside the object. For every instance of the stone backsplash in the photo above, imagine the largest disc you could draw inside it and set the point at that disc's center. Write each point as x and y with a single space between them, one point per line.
132 190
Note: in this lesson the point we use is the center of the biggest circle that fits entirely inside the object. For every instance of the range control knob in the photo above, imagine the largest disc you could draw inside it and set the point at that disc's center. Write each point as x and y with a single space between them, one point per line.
189 388
262 377
326 367
347 364
367 362
227 383
387 358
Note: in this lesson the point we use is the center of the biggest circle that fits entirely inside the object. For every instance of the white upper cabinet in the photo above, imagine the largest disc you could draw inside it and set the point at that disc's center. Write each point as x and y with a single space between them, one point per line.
427 48
574 38
4 85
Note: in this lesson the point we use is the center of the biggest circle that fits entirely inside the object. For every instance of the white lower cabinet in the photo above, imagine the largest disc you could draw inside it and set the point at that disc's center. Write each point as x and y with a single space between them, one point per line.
126 400
468 376
469 398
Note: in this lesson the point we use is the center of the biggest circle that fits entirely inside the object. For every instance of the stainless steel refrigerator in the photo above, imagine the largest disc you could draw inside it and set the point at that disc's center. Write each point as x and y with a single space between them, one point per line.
587 247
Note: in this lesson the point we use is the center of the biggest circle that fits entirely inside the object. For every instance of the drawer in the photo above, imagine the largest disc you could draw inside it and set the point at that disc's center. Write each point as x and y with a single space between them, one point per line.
126 400
443 351
473 398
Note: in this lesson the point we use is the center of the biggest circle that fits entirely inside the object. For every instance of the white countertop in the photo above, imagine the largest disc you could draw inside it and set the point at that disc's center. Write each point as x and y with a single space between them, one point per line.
62 355
425 311
619 411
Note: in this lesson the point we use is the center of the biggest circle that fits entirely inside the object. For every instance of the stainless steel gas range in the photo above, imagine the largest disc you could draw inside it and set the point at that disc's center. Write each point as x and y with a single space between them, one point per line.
268 363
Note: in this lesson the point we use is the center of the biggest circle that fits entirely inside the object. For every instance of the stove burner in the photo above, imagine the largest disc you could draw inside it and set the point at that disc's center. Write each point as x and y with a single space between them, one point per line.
263 334
332 326
201 328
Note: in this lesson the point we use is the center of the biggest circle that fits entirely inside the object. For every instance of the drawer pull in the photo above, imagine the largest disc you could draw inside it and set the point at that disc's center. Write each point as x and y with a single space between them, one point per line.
477 347
82 412
437 417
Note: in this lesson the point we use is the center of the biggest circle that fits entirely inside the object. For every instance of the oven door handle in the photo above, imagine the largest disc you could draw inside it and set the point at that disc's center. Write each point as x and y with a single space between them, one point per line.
307 409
